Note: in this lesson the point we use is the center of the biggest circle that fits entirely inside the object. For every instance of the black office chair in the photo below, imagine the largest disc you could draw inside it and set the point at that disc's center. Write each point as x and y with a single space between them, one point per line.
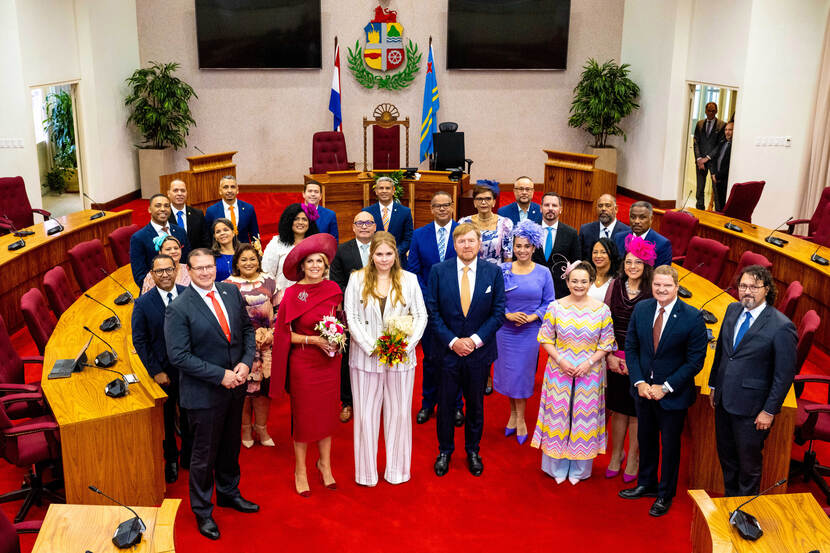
448 145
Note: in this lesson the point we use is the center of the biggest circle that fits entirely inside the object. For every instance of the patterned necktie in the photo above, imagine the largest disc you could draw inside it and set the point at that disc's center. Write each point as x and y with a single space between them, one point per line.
658 328
223 322
386 218
165 229
465 291
442 243
743 329
548 242
364 254
180 219
169 298
606 233
233 219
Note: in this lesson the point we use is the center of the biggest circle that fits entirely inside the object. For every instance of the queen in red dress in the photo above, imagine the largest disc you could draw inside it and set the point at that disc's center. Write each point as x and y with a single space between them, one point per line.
313 380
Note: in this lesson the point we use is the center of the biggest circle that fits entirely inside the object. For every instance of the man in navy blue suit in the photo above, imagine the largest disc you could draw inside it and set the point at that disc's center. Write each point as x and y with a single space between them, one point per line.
240 213
327 222
465 301
148 341
433 244
524 207
664 349
640 216
142 248
391 216
606 226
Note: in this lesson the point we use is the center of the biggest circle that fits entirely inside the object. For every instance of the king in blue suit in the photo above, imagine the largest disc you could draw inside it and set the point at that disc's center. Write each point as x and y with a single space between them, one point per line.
606 226
327 220
246 224
142 247
640 216
400 217
523 192
465 301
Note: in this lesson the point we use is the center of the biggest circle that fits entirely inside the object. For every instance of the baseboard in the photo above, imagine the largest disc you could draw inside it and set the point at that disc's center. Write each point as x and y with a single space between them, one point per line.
284 188
639 196
121 200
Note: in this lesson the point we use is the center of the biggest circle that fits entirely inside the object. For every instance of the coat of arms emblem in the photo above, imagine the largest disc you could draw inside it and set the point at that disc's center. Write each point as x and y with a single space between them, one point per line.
384 51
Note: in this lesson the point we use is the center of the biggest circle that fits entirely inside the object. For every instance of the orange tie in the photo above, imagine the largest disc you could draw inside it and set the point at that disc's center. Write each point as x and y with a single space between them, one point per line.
223 322
233 219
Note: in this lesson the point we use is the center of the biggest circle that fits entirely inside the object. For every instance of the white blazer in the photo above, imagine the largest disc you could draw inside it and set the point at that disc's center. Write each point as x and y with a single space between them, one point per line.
366 323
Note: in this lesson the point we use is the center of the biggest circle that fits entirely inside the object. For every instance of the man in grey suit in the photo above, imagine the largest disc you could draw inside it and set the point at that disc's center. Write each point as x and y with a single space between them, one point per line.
707 137
753 370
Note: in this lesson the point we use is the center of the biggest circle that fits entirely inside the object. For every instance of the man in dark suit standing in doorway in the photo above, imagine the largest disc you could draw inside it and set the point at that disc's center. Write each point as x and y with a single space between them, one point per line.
707 136
720 167
560 243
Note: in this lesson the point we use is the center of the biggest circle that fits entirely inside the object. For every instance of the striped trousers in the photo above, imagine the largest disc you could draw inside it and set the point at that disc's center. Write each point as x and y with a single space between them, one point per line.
391 393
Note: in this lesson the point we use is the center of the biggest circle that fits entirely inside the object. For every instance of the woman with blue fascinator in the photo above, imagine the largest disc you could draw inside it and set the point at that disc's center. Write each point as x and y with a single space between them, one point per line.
528 288
168 245
496 238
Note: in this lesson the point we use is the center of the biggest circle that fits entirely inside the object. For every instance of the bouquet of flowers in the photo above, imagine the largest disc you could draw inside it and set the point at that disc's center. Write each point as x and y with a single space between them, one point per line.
392 345
333 331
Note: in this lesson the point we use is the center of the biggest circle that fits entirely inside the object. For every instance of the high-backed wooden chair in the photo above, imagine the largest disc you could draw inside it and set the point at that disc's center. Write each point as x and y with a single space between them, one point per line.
386 138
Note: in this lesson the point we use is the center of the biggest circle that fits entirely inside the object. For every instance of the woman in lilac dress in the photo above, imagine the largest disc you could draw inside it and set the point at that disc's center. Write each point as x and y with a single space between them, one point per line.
529 289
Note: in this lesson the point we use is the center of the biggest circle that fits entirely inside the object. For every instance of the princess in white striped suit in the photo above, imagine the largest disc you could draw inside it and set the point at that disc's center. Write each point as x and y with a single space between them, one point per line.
381 291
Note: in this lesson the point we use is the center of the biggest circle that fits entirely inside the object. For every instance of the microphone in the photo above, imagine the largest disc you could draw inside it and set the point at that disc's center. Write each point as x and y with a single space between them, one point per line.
732 226
110 323
124 298
107 358
18 233
774 240
709 317
199 150
746 524
683 208
816 258
130 531
16 245
97 215
56 228
682 291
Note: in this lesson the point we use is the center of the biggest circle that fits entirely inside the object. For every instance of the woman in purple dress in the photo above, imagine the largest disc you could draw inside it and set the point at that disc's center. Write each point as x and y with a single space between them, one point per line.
529 289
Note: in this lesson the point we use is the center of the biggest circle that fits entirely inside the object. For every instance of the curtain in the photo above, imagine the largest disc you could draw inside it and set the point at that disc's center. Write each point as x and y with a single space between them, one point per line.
818 163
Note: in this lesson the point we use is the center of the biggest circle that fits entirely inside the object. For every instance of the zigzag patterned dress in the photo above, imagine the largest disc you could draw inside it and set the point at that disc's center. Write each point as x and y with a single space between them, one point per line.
571 425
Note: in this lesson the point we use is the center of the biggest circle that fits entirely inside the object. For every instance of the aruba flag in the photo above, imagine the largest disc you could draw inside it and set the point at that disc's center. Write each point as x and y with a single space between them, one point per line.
429 114
334 99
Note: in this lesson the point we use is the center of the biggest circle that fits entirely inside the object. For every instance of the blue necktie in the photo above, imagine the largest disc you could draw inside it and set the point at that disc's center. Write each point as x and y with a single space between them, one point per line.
743 329
169 299
548 242
180 219
442 243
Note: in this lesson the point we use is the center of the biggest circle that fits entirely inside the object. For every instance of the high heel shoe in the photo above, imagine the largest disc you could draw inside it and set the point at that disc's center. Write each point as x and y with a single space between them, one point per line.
304 493
262 433
629 478
521 438
509 431
246 433
613 473
332 486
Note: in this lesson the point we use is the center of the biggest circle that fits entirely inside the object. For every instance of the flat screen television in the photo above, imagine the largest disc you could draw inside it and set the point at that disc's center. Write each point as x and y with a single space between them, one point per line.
507 34
258 34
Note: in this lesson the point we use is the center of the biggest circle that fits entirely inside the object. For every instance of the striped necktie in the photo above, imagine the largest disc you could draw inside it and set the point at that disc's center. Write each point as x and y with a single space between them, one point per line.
386 219
442 243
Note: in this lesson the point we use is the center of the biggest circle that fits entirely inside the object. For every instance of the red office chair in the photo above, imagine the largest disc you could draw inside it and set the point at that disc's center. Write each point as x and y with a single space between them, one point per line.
678 227
15 209
706 258
12 377
58 290
813 221
9 542
33 444
386 147
822 233
742 200
748 258
120 244
39 320
328 152
87 259
789 301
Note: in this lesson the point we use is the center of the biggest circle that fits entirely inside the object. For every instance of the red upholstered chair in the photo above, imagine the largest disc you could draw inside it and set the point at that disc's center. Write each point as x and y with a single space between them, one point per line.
328 152
822 233
12 377
120 244
58 290
39 320
15 208
33 444
678 227
789 301
87 259
9 542
742 200
748 258
706 258
813 221
386 147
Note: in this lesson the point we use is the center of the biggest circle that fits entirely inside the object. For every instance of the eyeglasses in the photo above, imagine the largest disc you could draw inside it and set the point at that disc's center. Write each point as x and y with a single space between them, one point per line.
441 206
364 224
483 200
204 268
754 288
164 271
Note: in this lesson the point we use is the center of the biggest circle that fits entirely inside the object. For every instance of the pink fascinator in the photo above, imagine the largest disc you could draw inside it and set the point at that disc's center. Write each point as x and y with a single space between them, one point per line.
641 249
310 211
570 267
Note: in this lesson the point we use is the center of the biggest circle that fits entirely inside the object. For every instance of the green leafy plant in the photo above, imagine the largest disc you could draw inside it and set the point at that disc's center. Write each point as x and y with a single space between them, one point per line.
159 105
396 176
60 127
603 97
56 179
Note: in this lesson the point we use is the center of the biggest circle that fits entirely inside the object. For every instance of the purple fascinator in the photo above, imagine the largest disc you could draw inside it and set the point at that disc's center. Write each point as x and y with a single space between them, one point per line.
641 249
570 267
310 211
491 184
530 231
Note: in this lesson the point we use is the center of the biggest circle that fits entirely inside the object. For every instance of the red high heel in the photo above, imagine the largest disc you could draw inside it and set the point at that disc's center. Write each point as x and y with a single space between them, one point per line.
332 486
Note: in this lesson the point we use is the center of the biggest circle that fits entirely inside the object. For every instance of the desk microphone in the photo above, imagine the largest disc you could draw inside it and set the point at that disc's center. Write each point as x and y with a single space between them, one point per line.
97 215
774 240
746 524
16 245
124 298
18 233
816 258
709 317
683 208
682 291
105 358
199 150
128 532
110 323
732 226
58 227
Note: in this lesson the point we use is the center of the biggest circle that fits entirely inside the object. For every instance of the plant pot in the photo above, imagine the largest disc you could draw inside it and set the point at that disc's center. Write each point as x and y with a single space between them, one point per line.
151 165
607 160
72 181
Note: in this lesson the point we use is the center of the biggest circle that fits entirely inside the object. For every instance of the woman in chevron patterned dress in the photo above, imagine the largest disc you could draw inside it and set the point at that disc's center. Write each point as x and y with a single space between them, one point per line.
577 332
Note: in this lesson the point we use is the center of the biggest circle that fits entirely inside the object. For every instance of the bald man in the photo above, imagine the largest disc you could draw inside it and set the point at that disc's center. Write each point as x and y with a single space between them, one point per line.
187 217
606 226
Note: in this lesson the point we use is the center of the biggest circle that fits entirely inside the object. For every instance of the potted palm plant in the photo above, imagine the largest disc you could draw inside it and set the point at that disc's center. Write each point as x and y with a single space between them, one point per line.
159 109
60 128
603 97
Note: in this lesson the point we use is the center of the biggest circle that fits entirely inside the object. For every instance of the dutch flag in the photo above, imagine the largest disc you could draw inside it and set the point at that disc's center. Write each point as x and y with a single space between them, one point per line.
334 99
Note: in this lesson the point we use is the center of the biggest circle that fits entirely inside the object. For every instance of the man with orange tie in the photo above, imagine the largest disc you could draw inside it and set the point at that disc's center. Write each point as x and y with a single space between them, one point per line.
392 216
240 213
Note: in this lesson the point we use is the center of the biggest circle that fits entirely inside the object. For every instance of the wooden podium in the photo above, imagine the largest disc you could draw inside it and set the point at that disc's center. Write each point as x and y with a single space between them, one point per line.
574 177
203 178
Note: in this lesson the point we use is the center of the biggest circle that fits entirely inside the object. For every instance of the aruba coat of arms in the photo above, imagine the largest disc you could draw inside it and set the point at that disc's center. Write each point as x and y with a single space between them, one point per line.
384 51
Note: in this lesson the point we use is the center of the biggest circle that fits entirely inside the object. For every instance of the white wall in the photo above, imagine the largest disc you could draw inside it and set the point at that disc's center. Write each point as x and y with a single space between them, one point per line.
718 41
48 34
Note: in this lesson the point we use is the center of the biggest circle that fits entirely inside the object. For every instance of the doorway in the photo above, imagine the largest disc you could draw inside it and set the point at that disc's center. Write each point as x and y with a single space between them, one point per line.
700 94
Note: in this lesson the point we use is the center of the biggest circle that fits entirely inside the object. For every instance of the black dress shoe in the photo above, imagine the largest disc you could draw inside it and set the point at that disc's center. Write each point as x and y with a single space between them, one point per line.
459 417
171 472
660 507
207 527
423 415
637 492
474 464
442 464
238 503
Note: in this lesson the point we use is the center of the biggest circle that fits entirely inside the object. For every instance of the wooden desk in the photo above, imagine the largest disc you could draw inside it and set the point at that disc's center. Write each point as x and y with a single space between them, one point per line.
791 523
348 192
792 262
24 268
574 177
202 179
704 466
114 444
70 528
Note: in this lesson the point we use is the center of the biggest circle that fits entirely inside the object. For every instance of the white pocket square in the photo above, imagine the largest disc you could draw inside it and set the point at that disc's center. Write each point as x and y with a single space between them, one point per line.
489 289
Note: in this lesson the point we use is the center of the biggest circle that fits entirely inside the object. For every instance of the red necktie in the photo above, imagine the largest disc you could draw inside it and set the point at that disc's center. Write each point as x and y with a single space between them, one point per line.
658 328
223 322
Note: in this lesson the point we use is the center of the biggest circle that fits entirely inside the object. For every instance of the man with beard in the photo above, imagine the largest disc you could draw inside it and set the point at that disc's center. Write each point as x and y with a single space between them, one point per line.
524 207
607 226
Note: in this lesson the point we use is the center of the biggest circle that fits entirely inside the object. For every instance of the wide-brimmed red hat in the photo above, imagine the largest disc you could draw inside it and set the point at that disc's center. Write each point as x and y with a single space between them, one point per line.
317 243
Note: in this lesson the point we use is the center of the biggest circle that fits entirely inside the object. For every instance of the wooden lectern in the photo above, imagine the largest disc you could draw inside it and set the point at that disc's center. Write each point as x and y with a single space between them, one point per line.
574 177
203 178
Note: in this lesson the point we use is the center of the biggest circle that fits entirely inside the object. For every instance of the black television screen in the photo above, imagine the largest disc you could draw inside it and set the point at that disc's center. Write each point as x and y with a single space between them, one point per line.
258 34
507 34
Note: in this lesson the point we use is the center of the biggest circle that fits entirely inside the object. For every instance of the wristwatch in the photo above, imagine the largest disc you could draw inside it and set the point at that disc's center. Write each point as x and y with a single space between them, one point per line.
665 388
